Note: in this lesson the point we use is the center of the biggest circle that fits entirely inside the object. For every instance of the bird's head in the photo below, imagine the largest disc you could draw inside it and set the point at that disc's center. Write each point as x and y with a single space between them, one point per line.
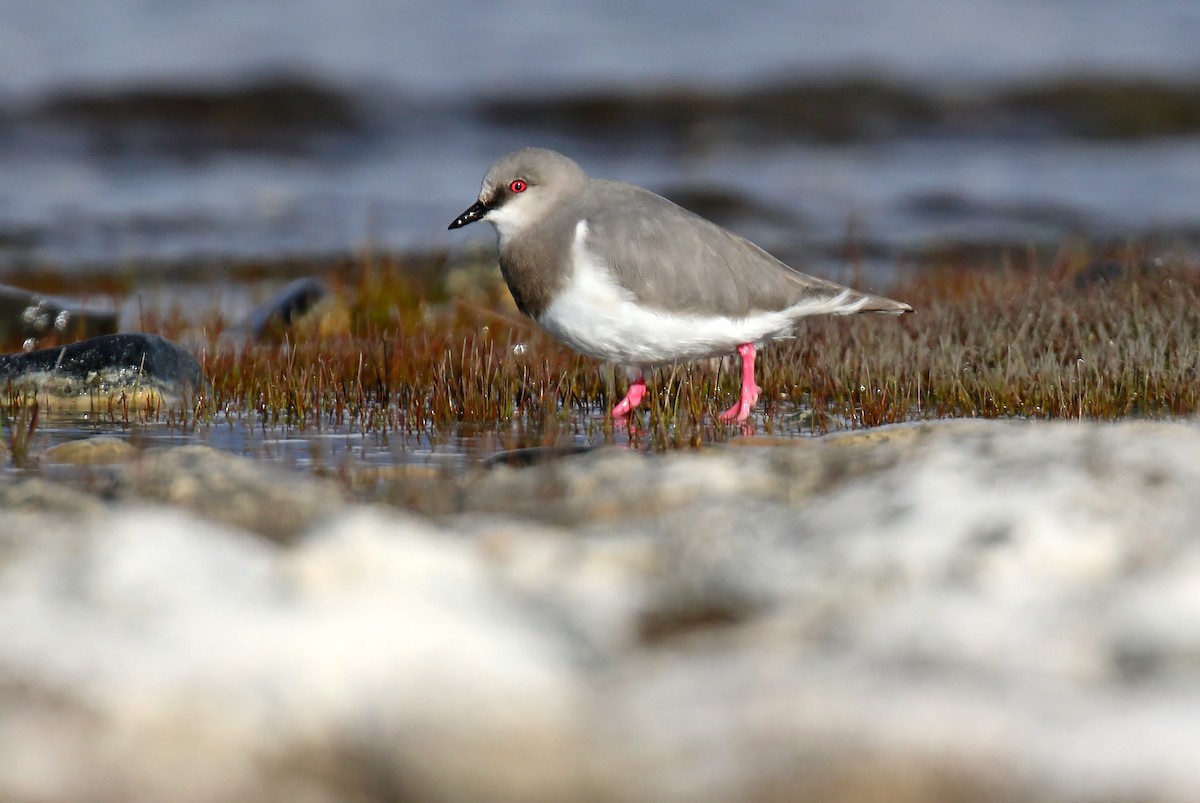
522 188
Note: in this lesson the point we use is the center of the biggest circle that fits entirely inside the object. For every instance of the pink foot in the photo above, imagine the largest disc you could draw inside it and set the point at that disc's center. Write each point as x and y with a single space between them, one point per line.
750 391
637 389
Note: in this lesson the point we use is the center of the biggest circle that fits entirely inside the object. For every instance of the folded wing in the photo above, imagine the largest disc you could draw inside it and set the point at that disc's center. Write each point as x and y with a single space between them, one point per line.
702 267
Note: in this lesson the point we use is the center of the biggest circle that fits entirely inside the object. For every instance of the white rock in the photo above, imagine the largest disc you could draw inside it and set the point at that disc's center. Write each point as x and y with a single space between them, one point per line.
989 611
211 652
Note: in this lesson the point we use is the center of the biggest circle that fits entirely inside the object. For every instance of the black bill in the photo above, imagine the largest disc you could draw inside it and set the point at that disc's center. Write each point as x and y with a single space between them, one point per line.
474 212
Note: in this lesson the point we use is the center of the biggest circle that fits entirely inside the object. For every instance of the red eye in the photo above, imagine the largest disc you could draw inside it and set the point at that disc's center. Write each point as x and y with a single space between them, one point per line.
517 185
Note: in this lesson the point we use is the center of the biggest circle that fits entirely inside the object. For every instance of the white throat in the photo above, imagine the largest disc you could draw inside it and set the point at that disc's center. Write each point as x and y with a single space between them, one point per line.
508 220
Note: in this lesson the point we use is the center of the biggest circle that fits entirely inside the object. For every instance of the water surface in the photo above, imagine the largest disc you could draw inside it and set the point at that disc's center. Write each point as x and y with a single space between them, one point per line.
137 135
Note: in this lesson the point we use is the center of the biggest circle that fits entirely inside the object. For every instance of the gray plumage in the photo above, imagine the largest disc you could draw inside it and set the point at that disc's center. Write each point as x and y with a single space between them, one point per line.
621 274
670 259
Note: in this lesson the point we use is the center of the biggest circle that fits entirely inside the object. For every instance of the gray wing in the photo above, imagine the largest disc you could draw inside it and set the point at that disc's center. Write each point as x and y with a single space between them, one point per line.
676 261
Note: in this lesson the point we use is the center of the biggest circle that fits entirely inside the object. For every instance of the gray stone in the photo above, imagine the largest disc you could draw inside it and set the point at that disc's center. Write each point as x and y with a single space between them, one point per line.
225 488
100 449
139 368
37 496
282 309
619 483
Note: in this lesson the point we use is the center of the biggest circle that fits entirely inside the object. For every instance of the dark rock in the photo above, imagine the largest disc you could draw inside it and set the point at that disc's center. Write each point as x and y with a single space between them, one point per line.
865 108
1103 272
285 307
24 314
839 110
533 455
953 206
284 113
1109 109
106 364
18 238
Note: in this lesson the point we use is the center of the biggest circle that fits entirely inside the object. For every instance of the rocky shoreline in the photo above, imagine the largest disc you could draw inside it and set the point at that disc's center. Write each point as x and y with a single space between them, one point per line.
961 610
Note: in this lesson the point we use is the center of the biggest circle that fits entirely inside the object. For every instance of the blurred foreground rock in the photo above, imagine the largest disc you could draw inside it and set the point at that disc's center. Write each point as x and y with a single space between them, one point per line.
943 612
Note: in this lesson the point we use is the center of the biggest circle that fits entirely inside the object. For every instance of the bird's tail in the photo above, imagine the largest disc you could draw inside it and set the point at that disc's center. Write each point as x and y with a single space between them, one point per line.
827 298
851 302
865 302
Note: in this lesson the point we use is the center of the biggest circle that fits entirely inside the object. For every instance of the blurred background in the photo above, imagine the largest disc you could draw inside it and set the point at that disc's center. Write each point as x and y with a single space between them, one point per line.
164 133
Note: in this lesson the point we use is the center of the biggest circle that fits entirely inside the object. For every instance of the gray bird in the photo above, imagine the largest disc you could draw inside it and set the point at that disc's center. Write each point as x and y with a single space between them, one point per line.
621 274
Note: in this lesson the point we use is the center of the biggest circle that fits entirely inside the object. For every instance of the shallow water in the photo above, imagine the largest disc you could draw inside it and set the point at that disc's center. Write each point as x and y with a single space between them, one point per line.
375 121
329 450
348 450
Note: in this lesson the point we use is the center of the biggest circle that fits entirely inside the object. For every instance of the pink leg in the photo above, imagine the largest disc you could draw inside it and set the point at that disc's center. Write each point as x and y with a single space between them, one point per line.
750 391
637 389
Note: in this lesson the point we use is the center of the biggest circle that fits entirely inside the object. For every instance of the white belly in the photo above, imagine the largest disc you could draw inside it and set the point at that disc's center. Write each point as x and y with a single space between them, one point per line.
597 317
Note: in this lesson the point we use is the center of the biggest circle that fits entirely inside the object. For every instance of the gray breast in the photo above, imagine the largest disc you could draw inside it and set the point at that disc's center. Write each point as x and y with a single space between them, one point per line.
536 264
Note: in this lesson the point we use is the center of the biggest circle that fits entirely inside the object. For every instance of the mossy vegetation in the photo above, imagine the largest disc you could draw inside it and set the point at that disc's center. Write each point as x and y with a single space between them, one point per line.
1035 342
421 348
